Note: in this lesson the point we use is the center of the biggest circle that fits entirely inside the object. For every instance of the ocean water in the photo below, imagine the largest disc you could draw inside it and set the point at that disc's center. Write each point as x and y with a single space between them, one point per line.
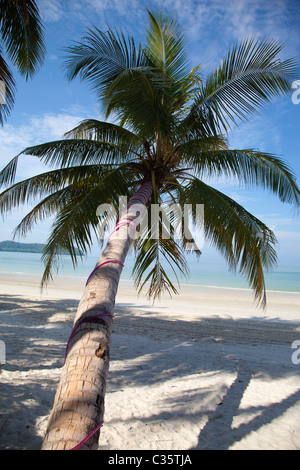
202 272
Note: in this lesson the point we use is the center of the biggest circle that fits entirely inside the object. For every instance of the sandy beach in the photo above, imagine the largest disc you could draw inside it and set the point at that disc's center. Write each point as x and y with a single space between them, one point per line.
204 370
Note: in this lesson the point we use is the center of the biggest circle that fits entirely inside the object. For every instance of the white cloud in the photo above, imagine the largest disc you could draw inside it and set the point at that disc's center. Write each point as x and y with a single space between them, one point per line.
38 129
256 133
51 11
53 126
212 26
89 11
242 198
289 236
278 223
53 57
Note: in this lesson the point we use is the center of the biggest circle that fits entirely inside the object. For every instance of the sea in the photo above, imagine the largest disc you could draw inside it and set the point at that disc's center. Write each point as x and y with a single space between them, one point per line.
202 272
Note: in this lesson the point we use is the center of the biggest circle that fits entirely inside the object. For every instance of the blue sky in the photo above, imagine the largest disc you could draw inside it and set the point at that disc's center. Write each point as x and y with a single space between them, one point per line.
48 105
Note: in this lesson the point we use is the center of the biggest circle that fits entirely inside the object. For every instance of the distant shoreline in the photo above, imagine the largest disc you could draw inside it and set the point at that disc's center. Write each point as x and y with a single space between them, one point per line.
17 247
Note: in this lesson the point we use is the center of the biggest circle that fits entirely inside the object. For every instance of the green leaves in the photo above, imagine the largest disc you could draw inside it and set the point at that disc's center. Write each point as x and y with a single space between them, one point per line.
7 89
246 243
168 57
165 48
76 220
72 196
27 191
71 152
21 34
249 77
101 58
250 167
141 87
157 259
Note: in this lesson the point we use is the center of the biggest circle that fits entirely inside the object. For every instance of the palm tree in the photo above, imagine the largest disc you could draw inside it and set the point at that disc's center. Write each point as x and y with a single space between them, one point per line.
22 38
168 135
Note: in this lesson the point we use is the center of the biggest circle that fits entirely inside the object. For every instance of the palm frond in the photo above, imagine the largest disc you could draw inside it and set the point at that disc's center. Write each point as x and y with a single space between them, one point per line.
249 166
22 34
73 195
165 47
102 131
45 208
135 98
167 53
44 184
157 251
250 76
8 174
71 152
246 243
118 146
101 57
7 89
77 218
126 83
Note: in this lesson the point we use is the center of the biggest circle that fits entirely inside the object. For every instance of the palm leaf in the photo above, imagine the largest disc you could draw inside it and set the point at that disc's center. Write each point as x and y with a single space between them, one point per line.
8 174
246 243
250 76
22 34
71 152
7 89
77 219
135 99
102 57
41 185
92 142
45 208
104 132
126 83
120 137
250 167
73 195
165 48
155 254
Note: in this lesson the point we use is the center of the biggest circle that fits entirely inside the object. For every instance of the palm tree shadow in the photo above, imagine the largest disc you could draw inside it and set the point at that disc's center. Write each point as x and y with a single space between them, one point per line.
219 425
219 433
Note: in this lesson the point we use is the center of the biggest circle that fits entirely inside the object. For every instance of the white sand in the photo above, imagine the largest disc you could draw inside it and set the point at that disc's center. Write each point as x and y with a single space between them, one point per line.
205 370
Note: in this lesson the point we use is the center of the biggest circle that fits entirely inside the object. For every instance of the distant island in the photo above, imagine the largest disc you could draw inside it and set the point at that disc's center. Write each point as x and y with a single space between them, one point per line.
24 247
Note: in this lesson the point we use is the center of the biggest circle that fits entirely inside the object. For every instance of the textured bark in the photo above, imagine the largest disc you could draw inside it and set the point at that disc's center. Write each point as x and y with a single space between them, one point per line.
79 401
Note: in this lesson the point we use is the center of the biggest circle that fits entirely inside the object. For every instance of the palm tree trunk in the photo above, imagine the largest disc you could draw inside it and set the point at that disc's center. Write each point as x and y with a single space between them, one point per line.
79 402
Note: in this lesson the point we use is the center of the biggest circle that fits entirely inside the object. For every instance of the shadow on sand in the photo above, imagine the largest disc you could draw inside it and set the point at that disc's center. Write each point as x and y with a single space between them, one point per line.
36 333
